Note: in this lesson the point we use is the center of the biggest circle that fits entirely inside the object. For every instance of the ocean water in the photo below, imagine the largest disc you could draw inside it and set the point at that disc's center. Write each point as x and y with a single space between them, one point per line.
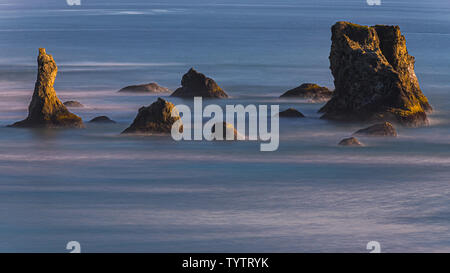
116 193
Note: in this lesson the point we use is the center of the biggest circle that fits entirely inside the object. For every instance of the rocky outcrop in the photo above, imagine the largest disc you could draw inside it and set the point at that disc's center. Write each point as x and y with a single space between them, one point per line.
380 129
195 84
226 129
291 113
45 109
155 118
73 103
351 141
101 119
374 77
145 88
309 91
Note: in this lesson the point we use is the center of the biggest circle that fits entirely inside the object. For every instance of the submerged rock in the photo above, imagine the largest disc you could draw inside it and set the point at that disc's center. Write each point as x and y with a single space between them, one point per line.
101 119
310 91
291 113
374 77
73 103
351 141
145 88
226 129
45 109
380 129
155 118
195 84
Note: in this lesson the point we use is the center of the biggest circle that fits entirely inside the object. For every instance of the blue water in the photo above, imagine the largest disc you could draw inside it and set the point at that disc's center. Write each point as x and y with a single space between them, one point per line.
115 193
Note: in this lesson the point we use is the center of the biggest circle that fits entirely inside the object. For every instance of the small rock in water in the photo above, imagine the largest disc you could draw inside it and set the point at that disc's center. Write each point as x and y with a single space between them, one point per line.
195 84
101 119
291 113
226 129
310 91
73 103
145 88
351 141
380 129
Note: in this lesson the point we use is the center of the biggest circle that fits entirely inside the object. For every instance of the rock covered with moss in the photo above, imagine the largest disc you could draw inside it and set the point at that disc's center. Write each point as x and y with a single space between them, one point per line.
374 77
195 84
156 118
309 91
145 88
45 109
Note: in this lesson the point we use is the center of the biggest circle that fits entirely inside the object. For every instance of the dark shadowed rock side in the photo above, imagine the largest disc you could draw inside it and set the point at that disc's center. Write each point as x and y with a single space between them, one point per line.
351 141
155 118
73 103
309 91
374 77
195 84
145 88
380 129
291 113
226 127
45 109
101 119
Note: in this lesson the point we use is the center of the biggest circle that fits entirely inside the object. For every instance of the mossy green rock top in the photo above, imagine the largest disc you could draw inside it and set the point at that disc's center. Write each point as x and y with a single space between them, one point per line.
45 109
374 77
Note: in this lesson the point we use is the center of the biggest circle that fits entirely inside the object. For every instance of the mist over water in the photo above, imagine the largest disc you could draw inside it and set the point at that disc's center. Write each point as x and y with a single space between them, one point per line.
132 193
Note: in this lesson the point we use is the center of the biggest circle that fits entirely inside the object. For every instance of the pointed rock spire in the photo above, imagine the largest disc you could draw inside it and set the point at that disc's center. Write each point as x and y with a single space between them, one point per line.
45 109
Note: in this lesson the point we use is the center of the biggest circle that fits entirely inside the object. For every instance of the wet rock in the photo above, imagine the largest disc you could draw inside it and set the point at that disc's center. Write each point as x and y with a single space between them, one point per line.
374 77
380 129
291 113
45 109
145 88
73 103
195 84
101 119
155 118
351 141
309 91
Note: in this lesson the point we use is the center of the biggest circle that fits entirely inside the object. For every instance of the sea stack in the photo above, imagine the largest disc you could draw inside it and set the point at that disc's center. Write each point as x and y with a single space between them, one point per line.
374 77
156 118
195 84
45 109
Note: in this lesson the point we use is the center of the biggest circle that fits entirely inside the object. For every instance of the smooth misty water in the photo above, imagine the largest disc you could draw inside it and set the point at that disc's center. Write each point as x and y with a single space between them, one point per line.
116 193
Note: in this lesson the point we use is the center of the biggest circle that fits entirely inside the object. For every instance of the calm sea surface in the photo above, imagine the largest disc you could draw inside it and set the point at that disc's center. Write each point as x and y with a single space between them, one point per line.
150 194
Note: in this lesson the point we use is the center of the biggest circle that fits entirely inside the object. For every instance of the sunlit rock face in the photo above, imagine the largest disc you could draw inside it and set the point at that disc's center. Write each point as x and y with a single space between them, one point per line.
45 109
156 118
374 77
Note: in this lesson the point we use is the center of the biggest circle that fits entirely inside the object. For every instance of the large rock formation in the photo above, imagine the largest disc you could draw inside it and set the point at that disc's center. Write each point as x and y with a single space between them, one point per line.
291 113
195 84
45 109
374 77
309 91
155 118
145 88
380 129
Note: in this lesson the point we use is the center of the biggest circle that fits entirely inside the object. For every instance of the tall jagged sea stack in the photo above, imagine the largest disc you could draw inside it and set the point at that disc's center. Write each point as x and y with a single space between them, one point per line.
374 77
45 109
